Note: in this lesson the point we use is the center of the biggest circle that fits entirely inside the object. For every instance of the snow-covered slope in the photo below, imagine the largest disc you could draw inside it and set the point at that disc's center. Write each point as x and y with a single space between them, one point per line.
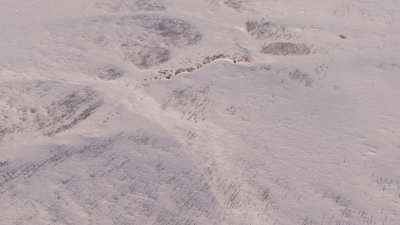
184 112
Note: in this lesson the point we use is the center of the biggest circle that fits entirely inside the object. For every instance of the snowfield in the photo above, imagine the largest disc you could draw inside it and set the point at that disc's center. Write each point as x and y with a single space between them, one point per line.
199 112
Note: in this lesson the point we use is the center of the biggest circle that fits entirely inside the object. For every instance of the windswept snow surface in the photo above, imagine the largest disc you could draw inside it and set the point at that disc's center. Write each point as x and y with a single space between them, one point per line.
199 112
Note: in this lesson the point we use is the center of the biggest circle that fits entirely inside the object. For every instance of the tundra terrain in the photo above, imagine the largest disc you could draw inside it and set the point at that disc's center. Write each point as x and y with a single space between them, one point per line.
199 112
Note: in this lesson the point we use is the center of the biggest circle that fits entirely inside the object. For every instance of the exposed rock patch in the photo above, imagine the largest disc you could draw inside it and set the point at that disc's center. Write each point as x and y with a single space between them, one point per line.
145 40
286 48
116 6
170 73
263 29
111 74
57 107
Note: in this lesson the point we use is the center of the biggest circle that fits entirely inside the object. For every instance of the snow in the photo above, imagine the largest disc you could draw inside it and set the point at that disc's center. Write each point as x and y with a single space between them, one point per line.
191 112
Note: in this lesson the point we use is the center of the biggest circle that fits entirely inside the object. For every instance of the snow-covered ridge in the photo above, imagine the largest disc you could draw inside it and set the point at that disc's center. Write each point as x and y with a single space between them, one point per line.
184 112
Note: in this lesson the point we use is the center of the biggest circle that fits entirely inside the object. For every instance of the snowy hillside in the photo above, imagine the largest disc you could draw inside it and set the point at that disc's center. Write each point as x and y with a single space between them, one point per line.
199 112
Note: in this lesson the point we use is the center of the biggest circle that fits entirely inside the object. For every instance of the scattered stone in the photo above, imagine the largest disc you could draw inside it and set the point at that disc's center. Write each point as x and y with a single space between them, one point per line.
111 74
286 48
264 29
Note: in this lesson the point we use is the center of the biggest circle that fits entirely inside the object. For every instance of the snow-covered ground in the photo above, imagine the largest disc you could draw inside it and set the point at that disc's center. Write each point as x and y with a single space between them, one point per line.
192 112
